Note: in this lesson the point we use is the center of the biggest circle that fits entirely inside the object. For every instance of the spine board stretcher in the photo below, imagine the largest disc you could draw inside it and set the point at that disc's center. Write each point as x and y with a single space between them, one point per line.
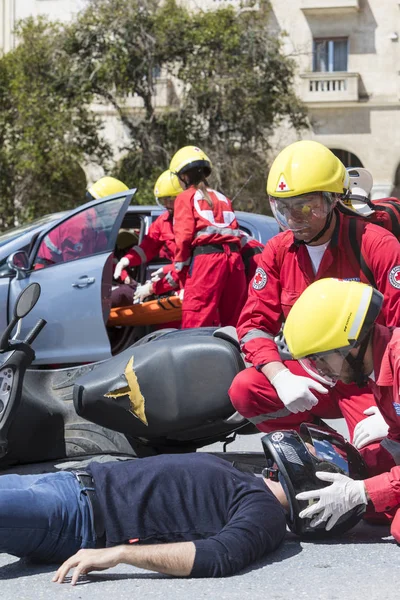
154 312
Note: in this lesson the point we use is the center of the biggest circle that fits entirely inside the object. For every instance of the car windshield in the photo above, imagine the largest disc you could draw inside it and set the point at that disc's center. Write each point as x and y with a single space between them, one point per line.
15 232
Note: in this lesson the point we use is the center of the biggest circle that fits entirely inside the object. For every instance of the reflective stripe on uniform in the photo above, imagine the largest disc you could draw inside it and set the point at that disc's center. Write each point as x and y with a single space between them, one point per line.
282 412
244 240
393 448
171 280
179 265
207 213
210 230
51 246
254 334
141 253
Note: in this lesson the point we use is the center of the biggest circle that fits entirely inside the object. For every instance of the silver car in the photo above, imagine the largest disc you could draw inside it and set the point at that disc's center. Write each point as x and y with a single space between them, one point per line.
76 288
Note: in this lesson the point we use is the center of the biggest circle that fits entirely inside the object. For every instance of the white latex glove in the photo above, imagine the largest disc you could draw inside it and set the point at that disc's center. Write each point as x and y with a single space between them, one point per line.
369 430
124 262
157 275
294 390
333 501
143 291
181 294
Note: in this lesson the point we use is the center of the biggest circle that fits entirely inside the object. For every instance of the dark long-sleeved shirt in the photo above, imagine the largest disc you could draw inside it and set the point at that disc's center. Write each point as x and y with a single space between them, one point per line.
232 517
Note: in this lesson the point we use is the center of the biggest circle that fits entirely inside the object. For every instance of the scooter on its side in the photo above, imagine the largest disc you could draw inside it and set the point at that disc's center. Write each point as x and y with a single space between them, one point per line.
166 393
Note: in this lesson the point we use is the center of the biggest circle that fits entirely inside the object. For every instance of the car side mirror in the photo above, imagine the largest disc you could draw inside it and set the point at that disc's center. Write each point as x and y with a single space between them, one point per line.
26 300
19 262
23 305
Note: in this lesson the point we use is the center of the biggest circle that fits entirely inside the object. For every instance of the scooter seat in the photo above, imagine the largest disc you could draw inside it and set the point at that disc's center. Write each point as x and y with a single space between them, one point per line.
183 376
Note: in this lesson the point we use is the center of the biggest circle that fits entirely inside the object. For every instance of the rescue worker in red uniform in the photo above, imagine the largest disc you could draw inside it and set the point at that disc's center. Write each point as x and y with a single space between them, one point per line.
165 279
331 330
159 241
207 237
384 211
305 184
81 235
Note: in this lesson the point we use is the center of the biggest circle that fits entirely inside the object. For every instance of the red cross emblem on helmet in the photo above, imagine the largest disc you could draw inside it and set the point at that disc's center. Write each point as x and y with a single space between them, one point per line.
282 185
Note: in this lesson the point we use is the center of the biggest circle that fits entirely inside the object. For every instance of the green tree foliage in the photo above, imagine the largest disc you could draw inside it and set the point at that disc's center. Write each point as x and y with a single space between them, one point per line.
46 127
227 80
227 83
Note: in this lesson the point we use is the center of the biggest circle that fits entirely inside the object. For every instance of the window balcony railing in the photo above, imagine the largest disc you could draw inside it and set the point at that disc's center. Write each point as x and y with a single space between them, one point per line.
329 87
329 6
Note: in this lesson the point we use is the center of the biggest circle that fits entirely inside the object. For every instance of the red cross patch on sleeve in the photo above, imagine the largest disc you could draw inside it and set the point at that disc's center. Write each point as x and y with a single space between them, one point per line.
394 277
260 279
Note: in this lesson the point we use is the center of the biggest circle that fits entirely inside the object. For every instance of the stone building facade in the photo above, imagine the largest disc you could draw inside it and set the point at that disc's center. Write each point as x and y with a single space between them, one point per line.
348 57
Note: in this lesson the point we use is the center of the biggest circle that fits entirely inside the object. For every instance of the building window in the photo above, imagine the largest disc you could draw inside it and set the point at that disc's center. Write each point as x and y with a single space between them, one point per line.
330 55
348 158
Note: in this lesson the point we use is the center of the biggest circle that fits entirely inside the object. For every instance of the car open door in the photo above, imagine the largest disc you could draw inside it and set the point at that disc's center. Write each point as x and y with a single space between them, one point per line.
73 263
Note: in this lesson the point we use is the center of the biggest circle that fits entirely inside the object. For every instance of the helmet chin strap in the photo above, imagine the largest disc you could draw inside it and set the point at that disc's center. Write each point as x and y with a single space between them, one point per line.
357 363
323 230
364 199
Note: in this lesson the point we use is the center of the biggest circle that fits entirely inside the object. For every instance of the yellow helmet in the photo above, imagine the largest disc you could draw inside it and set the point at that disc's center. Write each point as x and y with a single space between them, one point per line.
167 185
190 157
331 314
305 167
106 186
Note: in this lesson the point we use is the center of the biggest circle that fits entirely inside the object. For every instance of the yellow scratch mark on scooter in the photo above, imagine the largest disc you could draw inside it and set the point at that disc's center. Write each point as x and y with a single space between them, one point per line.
133 391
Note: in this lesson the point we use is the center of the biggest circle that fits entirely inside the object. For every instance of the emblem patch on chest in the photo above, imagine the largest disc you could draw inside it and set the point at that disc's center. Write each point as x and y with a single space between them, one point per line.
259 279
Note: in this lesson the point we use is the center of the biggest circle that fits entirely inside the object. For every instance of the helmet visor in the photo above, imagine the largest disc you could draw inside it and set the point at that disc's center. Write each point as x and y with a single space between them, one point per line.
325 368
297 457
295 213
166 202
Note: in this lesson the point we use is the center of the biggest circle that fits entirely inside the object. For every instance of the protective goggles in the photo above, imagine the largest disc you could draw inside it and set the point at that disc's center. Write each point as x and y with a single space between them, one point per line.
326 367
295 213
166 202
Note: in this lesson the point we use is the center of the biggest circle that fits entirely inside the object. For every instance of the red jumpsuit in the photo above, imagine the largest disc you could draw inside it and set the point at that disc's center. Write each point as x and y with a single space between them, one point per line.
159 241
251 250
285 270
208 239
78 237
384 489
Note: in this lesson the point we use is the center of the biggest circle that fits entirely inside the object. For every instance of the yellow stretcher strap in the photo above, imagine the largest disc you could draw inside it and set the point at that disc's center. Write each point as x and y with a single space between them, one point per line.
154 312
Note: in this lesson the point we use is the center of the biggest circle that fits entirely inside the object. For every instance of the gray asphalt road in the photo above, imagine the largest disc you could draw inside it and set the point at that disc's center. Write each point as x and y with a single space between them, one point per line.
362 565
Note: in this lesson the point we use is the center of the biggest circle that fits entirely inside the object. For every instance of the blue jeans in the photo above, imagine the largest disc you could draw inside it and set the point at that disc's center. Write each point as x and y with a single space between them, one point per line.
44 517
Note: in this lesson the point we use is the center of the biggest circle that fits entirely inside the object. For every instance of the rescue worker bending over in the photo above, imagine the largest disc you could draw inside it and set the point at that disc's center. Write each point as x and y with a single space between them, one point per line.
305 183
207 254
331 329
81 235
159 241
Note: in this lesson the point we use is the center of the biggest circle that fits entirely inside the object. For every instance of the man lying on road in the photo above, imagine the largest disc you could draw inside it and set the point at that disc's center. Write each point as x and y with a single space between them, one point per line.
185 515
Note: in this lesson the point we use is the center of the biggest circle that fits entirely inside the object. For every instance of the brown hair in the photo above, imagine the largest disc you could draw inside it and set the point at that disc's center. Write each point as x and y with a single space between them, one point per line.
202 186
197 178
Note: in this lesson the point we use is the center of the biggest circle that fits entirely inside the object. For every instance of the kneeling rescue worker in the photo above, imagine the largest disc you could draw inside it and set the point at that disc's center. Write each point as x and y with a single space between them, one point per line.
305 184
331 329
